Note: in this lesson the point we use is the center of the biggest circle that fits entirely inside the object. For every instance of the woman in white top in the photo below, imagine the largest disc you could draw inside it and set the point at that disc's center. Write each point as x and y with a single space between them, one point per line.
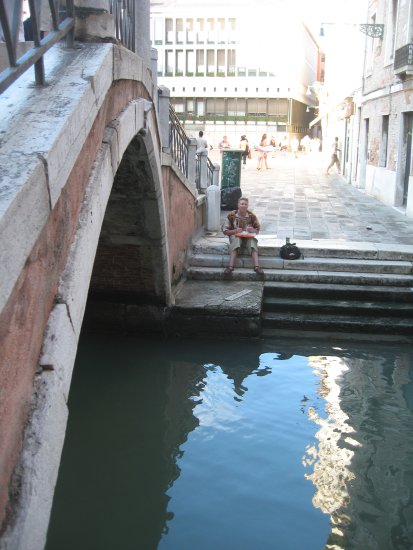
262 153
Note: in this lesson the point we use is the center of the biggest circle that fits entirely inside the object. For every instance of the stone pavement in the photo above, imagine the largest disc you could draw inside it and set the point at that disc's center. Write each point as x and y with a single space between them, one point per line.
295 199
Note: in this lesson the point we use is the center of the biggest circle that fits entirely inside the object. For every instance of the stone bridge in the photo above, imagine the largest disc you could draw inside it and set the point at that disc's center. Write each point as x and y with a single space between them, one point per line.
91 203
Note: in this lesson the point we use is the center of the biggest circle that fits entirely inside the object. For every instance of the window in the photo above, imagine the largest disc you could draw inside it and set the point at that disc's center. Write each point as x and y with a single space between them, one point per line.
180 31
200 62
200 31
190 63
169 62
221 31
370 48
211 62
179 106
211 31
231 62
391 30
200 107
158 30
190 35
221 62
169 37
231 31
180 63
384 140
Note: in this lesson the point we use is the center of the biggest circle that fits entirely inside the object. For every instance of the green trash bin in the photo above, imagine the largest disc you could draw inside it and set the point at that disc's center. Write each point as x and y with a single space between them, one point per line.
231 168
230 178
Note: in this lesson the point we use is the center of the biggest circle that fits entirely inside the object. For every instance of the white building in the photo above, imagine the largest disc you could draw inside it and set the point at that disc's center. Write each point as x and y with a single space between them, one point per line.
236 67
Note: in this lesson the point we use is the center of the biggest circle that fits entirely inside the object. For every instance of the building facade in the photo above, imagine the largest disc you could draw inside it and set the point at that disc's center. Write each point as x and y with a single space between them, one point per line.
386 114
235 68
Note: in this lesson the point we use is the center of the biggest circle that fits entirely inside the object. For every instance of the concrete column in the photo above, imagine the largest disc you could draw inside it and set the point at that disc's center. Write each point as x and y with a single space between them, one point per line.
192 145
94 21
142 30
163 110
203 170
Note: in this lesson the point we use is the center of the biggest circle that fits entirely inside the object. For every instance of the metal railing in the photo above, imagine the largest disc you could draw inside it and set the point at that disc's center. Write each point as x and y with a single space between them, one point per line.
178 142
210 170
123 12
62 22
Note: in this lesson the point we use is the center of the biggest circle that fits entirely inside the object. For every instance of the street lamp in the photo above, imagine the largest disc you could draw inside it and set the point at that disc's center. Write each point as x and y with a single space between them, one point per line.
373 30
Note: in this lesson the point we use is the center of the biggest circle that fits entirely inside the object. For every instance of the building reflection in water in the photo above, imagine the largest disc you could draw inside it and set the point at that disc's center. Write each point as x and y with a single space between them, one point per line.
362 463
139 416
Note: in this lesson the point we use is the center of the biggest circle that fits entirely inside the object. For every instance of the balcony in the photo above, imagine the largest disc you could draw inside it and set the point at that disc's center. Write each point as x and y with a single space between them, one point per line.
403 60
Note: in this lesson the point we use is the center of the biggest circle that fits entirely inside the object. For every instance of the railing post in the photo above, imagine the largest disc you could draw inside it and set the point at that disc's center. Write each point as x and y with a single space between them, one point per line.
93 21
142 26
163 113
215 175
192 145
203 170
154 67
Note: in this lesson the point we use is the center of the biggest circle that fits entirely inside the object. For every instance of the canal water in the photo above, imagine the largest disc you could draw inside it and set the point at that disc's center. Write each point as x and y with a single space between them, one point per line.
249 445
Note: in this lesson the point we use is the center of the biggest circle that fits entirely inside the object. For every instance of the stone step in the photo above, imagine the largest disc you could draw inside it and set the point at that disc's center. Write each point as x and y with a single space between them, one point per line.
269 246
309 263
338 307
273 322
339 291
295 275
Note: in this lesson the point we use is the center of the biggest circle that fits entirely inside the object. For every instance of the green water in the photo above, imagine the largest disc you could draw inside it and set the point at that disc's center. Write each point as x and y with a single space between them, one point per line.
196 445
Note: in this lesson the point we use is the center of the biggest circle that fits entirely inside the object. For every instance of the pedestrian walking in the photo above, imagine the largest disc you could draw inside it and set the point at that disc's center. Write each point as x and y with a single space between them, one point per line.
245 148
294 146
335 150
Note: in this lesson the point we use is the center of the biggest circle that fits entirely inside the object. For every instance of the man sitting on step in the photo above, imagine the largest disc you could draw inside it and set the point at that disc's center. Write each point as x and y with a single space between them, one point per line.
242 227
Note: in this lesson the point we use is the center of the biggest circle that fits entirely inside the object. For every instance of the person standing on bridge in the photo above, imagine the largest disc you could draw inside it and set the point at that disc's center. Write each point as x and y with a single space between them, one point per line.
242 228
201 143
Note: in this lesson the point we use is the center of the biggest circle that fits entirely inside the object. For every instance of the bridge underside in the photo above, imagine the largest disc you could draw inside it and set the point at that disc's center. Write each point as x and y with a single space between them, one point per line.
130 255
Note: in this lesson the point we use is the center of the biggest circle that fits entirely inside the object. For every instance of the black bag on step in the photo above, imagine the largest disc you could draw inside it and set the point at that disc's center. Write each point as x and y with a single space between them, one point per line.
290 251
229 198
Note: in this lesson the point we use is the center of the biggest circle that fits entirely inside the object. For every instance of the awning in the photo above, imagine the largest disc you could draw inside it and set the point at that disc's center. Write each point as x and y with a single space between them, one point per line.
343 110
317 119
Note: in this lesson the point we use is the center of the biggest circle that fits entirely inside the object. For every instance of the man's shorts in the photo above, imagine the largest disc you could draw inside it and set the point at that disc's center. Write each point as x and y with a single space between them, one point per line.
245 245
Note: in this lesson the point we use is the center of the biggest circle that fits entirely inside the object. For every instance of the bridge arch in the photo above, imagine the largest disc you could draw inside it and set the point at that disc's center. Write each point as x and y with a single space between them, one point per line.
77 169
